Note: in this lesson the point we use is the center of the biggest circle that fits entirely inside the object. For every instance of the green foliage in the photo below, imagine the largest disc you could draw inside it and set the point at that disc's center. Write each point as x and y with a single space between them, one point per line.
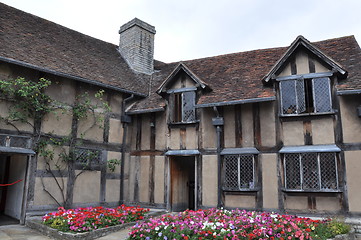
28 98
331 229
112 163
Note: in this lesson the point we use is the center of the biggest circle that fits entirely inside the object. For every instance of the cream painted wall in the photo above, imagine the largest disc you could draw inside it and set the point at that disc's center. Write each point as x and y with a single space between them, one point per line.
62 90
293 133
323 131
89 130
351 123
145 143
41 197
161 131
144 179
353 169
4 112
240 201
112 190
207 130
209 180
229 127
296 203
269 180
159 179
247 125
268 124
115 131
191 138
58 122
87 187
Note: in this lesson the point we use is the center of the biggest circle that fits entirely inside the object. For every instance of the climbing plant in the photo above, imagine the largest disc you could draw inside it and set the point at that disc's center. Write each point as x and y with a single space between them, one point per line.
30 104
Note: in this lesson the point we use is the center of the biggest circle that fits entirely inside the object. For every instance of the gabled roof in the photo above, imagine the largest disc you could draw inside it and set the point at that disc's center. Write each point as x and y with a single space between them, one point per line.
237 78
301 41
37 43
181 67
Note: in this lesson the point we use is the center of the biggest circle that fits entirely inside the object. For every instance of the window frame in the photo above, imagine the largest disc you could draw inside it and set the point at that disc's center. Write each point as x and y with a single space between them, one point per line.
95 163
178 107
301 98
255 174
320 174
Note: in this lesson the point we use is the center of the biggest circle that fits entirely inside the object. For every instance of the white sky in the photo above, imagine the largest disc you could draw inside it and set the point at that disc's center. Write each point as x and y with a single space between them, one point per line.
189 29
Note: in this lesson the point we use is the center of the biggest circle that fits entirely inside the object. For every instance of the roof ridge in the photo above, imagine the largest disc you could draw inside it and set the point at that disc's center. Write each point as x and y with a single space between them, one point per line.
259 49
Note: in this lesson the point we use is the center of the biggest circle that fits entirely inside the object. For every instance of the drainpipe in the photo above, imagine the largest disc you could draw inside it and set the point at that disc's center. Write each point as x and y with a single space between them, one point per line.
218 122
125 120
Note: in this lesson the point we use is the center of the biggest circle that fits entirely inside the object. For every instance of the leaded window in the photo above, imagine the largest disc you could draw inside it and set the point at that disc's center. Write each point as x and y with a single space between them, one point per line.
311 171
90 159
239 172
183 107
302 96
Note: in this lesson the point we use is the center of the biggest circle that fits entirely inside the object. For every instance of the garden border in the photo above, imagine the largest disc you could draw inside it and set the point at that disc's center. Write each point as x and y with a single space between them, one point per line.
37 224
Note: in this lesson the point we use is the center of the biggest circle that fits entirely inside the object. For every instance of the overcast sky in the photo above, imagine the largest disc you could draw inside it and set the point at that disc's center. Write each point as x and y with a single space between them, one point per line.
190 29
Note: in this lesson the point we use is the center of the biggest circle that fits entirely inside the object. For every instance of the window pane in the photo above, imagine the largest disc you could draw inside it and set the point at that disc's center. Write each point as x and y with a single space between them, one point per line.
177 107
246 178
310 171
322 94
288 96
328 171
292 171
231 172
188 107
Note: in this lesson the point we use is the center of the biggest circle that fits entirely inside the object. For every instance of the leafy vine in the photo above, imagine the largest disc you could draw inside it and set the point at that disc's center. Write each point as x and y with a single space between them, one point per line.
30 104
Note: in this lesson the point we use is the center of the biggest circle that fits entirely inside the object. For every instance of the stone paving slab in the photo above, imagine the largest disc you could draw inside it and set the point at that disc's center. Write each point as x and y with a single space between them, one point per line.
20 232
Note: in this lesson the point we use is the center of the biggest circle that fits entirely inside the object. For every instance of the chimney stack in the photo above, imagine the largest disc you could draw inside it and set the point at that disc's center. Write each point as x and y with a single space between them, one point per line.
136 45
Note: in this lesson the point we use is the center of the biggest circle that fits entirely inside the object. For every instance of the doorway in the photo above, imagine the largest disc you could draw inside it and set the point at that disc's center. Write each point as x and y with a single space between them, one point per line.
12 170
183 181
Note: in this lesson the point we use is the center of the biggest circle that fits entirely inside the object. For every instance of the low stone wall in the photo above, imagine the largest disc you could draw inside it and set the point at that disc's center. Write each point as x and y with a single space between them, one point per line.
53 233
36 223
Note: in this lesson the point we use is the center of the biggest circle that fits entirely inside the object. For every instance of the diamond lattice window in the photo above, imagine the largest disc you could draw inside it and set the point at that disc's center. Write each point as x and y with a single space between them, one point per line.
311 171
239 172
90 159
302 96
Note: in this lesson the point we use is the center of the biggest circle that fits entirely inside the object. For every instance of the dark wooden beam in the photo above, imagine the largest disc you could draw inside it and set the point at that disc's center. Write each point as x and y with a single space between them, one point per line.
152 157
238 125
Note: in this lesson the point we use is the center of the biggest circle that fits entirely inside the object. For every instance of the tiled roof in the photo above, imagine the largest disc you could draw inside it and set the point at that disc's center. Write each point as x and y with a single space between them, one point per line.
238 76
28 39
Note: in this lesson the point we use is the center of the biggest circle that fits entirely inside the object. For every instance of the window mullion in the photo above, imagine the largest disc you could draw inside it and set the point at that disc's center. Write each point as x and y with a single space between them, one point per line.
296 94
239 171
284 170
319 170
336 169
301 170
254 175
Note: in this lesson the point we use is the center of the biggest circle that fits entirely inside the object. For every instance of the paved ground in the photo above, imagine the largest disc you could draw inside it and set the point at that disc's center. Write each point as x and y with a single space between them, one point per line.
21 232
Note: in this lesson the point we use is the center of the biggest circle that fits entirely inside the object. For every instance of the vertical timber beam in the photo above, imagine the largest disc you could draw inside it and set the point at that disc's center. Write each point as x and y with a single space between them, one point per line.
126 119
218 122
152 157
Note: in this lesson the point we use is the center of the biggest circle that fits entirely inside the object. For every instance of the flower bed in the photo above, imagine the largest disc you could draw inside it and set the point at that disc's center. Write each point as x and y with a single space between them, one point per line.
92 218
224 224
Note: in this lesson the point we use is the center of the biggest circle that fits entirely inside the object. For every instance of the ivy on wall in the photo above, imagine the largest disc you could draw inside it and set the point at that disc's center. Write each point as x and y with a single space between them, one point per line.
30 104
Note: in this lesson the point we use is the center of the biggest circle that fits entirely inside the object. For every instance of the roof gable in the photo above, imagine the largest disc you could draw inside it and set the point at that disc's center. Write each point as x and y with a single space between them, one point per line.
298 43
181 67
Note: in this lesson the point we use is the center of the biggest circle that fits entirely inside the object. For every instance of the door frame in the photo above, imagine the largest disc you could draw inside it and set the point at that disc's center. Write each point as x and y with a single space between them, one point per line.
169 180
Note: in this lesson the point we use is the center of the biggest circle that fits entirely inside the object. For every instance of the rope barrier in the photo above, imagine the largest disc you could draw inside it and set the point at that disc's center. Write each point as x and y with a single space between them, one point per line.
9 184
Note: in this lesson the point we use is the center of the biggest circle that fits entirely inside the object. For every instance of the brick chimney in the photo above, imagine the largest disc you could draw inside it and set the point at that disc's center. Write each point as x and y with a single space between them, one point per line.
136 45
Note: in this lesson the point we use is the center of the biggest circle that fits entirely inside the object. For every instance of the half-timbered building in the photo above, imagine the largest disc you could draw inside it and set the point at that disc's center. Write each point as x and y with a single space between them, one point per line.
274 129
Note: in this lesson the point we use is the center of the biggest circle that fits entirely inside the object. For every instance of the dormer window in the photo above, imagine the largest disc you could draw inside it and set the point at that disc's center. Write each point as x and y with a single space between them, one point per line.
305 95
182 106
